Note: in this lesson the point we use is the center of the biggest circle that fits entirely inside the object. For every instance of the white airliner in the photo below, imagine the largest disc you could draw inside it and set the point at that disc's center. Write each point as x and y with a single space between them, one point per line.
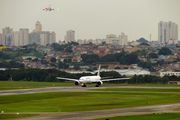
91 79
49 8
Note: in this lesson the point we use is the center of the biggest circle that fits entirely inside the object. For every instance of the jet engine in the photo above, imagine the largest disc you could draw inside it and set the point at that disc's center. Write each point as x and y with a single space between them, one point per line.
76 82
99 83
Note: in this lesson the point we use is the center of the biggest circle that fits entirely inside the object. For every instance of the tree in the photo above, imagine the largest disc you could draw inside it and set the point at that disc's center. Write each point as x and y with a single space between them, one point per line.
90 58
117 68
53 59
164 51
51 78
145 64
90 43
74 43
76 67
143 43
132 58
103 42
109 58
153 55
62 65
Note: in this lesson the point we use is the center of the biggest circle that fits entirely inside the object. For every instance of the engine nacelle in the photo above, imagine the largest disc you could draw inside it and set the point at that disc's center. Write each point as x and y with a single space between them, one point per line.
76 82
99 83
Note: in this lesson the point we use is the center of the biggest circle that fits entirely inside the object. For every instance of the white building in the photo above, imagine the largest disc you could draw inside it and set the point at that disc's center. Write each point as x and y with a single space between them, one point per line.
169 74
44 37
70 36
167 31
52 37
16 41
128 72
112 39
23 37
7 34
120 40
1 42
123 39
38 27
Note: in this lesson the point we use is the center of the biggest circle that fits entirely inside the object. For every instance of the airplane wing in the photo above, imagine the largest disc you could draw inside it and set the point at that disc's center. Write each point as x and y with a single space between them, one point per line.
106 77
115 79
67 79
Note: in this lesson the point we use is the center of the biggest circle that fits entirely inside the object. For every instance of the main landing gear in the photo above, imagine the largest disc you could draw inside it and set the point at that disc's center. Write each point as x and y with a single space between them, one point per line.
97 85
84 85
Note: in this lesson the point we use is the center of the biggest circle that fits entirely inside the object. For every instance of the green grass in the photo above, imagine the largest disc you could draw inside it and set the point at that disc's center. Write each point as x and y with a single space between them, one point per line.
157 116
9 85
138 89
153 85
8 116
82 101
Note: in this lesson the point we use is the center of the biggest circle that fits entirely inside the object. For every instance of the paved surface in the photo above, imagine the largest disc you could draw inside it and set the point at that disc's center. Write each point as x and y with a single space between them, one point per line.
90 114
104 113
41 90
68 89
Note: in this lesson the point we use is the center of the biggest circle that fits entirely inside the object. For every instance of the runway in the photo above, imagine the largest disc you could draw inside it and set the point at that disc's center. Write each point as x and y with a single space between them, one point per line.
107 113
68 89
91 114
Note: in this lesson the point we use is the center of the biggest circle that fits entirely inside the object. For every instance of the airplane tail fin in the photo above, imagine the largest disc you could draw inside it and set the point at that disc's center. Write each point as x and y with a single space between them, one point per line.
98 74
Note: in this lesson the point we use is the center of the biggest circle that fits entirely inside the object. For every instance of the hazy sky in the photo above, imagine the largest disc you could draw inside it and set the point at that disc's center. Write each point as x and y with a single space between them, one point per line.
91 19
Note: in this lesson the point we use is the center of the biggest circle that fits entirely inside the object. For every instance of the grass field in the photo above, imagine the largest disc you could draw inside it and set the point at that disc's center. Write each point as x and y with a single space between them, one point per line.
86 101
138 89
82 101
157 116
8 85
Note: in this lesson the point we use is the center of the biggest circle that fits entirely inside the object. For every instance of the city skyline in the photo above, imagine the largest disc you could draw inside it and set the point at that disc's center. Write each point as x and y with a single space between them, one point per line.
91 19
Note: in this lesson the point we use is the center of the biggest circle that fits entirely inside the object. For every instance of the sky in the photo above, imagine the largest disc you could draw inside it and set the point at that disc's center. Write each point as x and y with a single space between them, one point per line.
91 19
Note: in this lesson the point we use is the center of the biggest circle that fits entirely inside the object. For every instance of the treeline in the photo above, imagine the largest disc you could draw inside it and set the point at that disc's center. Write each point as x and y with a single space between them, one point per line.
11 64
148 79
49 75
64 47
126 59
15 55
122 58
39 75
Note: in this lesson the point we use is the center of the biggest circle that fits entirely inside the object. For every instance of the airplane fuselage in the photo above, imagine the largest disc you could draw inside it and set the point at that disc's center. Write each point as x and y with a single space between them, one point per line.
89 79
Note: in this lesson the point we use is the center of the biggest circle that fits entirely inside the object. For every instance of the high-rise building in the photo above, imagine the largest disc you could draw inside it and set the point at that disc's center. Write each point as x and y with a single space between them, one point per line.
112 39
34 38
7 34
120 40
70 36
1 39
123 39
52 37
38 26
15 39
44 37
41 37
23 37
167 31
